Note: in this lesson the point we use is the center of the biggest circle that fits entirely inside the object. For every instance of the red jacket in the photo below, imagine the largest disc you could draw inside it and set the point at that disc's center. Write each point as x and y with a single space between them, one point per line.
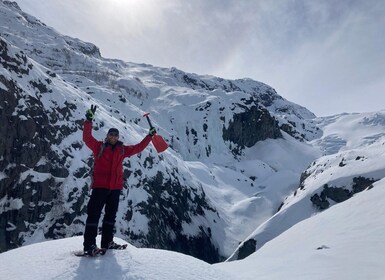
108 168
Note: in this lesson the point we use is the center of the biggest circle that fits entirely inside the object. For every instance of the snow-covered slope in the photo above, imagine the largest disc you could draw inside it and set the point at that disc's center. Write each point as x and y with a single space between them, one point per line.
345 242
354 145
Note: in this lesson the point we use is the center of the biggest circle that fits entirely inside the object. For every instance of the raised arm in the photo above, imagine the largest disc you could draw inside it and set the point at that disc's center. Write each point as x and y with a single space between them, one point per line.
90 140
135 149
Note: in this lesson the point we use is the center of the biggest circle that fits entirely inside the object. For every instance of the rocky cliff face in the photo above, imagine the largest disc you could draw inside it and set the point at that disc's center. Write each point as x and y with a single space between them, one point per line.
47 81
32 172
253 125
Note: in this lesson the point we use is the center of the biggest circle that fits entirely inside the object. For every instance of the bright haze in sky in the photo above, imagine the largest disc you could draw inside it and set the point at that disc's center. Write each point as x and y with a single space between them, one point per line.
328 56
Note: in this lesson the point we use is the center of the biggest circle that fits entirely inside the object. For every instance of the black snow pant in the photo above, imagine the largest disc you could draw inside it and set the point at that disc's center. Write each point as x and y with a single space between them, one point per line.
101 198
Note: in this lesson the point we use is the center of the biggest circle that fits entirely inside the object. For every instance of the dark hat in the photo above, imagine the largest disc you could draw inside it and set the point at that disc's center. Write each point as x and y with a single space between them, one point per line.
113 130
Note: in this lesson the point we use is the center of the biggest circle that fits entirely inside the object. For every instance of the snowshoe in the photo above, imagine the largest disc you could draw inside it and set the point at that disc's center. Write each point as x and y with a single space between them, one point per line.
93 251
113 246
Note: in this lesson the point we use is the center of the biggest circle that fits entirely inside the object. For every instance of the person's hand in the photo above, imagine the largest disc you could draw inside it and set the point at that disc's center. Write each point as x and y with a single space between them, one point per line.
90 114
152 131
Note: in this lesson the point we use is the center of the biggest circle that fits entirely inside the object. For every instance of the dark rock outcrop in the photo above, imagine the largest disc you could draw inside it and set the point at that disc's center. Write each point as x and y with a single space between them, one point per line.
29 189
253 125
340 194
170 205
247 248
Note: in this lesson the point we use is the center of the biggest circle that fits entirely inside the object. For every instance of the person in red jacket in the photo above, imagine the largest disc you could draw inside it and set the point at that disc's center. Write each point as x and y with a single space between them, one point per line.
107 182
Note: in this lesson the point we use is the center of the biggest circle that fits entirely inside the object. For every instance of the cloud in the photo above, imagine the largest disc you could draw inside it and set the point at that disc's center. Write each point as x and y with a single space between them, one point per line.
310 51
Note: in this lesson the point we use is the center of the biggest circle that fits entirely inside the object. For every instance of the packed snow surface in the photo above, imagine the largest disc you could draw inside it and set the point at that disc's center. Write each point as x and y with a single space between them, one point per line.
55 260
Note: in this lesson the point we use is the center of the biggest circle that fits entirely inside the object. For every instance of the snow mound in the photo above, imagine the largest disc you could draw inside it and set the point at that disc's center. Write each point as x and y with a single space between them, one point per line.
55 260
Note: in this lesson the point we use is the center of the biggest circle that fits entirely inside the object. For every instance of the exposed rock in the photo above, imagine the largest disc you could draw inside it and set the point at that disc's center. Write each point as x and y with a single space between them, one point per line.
26 135
361 183
340 194
253 125
247 249
169 206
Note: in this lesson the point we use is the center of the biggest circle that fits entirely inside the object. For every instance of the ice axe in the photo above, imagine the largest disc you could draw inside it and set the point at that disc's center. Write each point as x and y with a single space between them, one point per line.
157 140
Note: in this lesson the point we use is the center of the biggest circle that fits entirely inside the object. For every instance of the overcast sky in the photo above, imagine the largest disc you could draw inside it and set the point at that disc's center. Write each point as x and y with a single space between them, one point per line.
326 55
